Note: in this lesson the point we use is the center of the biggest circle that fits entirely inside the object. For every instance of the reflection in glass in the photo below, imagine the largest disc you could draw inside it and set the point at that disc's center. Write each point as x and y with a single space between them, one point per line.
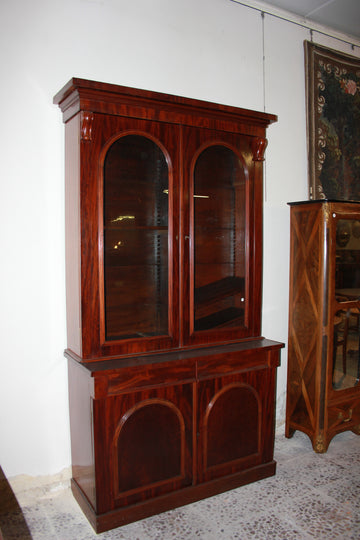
219 239
346 355
135 239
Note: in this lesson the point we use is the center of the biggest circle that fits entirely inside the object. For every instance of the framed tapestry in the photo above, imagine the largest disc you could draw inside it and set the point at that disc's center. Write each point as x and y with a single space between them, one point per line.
333 115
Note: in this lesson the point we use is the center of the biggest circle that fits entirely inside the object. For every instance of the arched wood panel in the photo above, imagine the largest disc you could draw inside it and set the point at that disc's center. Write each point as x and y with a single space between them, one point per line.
231 421
150 443
231 429
149 446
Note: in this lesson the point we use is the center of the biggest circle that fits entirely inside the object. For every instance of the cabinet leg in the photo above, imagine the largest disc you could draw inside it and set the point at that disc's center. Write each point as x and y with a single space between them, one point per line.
356 430
320 444
289 432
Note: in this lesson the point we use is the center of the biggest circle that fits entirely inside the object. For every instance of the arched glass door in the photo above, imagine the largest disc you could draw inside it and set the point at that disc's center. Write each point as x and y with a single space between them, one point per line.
346 349
219 235
136 263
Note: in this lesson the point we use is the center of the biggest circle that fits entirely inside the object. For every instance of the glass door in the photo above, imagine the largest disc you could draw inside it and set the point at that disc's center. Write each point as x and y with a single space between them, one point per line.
137 268
219 264
346 350
219 249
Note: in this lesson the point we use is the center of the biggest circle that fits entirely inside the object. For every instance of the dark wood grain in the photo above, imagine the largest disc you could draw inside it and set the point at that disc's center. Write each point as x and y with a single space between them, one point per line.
194 404
172 387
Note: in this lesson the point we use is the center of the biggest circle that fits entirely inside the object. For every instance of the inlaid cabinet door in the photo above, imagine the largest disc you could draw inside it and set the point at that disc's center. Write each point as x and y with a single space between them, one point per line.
148 438
324 320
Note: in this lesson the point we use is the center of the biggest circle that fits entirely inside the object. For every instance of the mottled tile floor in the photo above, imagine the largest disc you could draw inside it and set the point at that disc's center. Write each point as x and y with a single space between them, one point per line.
312 496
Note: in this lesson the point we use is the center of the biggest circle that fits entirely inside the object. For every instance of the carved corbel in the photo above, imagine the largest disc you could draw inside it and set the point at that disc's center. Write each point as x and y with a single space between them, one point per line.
258 147
87 119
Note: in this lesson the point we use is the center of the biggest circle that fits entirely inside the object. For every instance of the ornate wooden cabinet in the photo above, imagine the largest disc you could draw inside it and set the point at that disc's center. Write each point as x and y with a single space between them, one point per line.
323 391
171 385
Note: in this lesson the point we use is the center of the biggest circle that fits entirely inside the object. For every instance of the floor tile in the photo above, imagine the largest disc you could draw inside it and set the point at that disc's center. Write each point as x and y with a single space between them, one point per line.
312 496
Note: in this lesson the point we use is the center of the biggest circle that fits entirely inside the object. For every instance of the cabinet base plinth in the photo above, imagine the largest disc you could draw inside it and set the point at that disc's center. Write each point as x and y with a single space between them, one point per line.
125 515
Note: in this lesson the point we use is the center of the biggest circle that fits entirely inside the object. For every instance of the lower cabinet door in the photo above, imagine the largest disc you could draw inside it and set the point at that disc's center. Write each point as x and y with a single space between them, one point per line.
235 419
149 444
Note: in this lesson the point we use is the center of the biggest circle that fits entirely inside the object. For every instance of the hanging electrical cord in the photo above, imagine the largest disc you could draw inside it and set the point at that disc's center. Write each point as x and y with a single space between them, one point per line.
263 54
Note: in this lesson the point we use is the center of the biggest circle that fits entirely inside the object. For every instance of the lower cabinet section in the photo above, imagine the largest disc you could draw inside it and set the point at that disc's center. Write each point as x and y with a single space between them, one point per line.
152 433
337 415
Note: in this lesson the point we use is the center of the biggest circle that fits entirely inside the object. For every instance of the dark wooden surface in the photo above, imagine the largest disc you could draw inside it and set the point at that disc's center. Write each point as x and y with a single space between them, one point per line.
84 95
172 386
313 404
171 426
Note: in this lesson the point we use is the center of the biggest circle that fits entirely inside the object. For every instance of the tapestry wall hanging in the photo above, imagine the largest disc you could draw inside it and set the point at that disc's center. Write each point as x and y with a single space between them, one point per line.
333 115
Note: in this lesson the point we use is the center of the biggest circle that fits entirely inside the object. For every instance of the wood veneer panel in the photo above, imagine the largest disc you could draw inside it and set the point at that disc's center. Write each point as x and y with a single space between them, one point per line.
306 314
73 236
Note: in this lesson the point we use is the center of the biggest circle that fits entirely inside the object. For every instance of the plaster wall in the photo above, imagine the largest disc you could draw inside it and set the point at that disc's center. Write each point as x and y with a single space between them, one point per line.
215 50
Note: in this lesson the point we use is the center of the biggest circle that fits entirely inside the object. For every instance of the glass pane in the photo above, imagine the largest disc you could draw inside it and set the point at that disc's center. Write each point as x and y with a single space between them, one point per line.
135 239
347 292
219 239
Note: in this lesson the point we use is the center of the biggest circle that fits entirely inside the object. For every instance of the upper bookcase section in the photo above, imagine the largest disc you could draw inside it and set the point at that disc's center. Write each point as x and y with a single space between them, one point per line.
163 220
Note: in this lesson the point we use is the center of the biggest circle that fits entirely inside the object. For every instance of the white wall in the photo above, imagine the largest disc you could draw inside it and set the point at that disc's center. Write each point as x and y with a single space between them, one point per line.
206 49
